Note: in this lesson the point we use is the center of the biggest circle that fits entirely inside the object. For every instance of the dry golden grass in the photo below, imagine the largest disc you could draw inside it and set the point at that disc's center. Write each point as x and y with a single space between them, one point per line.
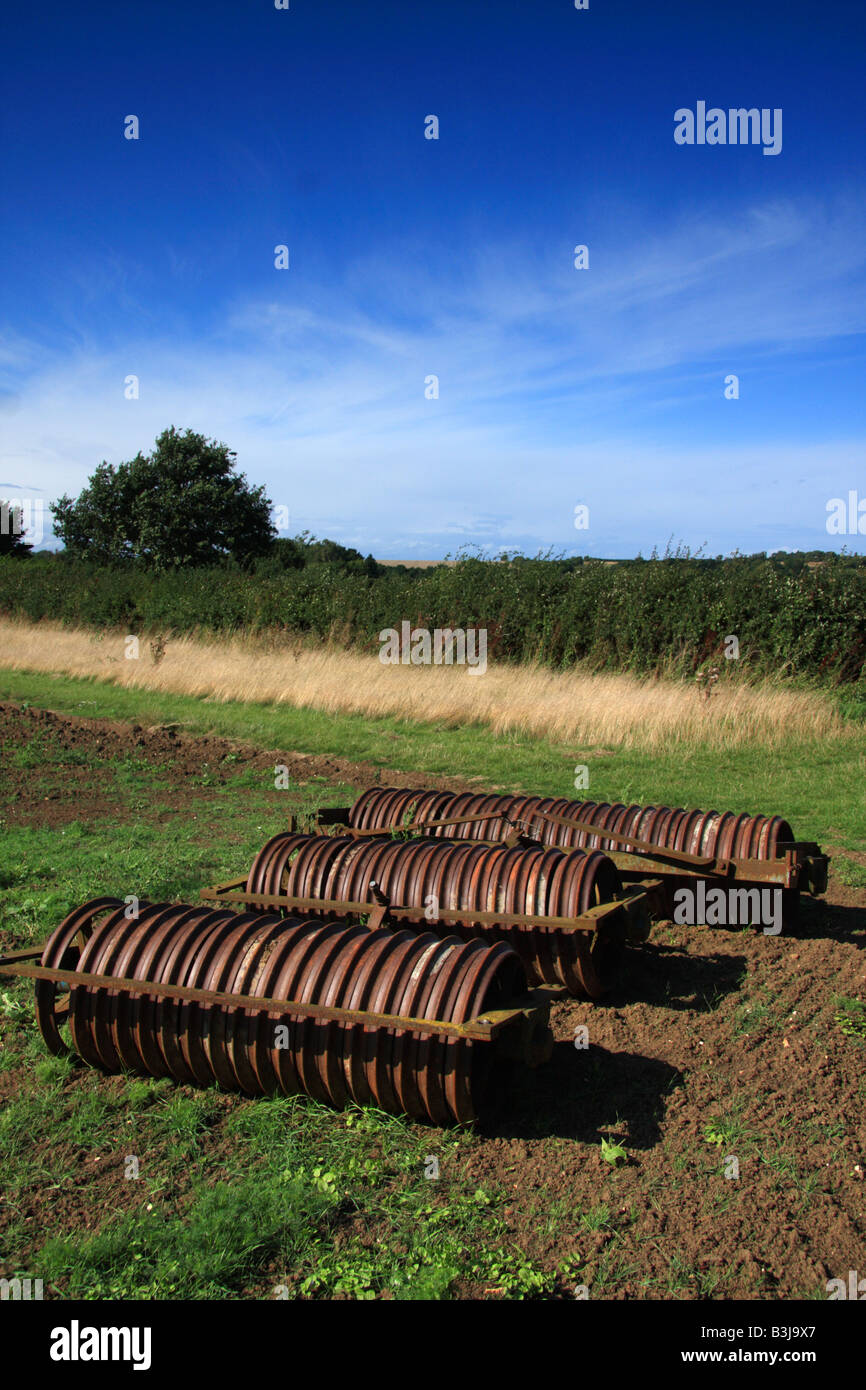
575 706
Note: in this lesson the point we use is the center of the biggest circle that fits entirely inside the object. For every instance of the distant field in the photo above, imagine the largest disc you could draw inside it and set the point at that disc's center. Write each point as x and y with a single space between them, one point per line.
418 564
432 564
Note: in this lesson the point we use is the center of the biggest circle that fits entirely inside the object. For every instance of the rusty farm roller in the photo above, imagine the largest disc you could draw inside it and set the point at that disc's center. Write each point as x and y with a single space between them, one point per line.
391 963
267 1003
565 913
674 845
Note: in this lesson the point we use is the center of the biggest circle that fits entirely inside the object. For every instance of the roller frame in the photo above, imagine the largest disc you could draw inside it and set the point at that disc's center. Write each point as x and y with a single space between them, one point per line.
803 867
634 905
529 1012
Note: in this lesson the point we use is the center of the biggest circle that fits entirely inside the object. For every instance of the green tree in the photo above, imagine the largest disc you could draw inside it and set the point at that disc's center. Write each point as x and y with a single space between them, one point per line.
297 552
12 540
184 504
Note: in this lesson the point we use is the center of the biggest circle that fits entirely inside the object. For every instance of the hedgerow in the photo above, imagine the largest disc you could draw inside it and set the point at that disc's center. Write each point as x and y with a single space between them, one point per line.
791 618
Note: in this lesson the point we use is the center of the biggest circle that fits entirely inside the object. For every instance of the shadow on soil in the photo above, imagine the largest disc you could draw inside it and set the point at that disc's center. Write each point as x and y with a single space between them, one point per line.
670 978
580 1094
832 921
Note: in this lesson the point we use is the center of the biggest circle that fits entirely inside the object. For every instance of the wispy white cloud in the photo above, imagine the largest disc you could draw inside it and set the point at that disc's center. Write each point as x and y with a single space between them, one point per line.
557 386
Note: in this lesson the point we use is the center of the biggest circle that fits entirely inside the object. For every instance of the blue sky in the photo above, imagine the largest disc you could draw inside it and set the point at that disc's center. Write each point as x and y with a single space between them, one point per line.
411 257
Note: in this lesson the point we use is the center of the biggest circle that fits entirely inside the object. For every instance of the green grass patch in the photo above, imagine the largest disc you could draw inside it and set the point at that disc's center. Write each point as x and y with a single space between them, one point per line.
808 783
222 1236
850 1018
308 1204
849 873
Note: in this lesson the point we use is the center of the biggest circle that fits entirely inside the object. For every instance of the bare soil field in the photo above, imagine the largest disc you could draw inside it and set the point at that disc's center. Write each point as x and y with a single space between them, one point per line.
178 755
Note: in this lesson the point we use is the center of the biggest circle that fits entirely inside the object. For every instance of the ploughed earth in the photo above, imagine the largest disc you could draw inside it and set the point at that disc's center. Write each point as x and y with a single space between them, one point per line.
725 1066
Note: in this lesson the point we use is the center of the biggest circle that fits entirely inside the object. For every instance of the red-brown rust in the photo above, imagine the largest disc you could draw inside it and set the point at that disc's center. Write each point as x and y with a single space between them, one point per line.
426 1075
426 875
703 833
